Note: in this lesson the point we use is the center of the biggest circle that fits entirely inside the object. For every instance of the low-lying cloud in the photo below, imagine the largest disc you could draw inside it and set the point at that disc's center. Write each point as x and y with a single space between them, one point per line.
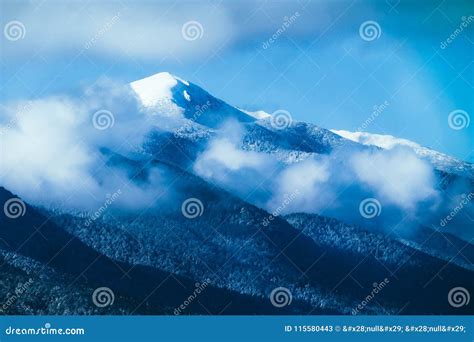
397 176
333 185
55 151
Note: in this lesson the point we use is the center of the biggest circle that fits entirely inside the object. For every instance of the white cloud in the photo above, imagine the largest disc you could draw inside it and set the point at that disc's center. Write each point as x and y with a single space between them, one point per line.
44 147
309 178
225 153
397 176
51 152
332 185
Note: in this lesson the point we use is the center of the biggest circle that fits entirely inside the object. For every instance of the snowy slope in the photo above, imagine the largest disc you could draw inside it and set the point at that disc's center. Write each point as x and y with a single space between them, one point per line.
228 242
170 96
198 117
439 160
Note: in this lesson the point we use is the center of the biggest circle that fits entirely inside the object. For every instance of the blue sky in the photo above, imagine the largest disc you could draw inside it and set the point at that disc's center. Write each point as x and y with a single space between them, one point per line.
318 67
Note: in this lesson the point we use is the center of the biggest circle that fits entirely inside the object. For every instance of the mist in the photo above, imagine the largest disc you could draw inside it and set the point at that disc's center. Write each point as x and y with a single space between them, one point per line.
55 151
403 185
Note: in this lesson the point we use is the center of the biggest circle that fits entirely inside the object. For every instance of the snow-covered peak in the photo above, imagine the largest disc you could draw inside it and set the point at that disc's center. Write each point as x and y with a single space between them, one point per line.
439 160
156 88
380 140
259 114
167 95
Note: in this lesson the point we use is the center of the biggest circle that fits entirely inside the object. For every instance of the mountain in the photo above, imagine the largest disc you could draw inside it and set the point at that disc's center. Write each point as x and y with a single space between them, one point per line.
197 117
374 255
50 254
151 251
169 95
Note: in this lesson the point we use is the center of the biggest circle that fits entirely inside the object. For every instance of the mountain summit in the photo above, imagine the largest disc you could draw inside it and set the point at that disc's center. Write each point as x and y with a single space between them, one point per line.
244 207
171 96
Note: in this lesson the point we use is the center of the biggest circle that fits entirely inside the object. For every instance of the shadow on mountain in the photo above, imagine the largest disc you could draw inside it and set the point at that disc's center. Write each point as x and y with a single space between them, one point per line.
34 236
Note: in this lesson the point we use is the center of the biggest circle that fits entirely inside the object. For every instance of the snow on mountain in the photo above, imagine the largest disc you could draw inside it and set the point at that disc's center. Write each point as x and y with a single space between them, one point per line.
259 114
193 117
440 160
156 95
153 89
243 261
198 113
170 96
383 141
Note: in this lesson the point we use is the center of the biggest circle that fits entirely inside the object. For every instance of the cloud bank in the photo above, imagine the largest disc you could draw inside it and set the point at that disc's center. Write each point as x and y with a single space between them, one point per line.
333 185
55 151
